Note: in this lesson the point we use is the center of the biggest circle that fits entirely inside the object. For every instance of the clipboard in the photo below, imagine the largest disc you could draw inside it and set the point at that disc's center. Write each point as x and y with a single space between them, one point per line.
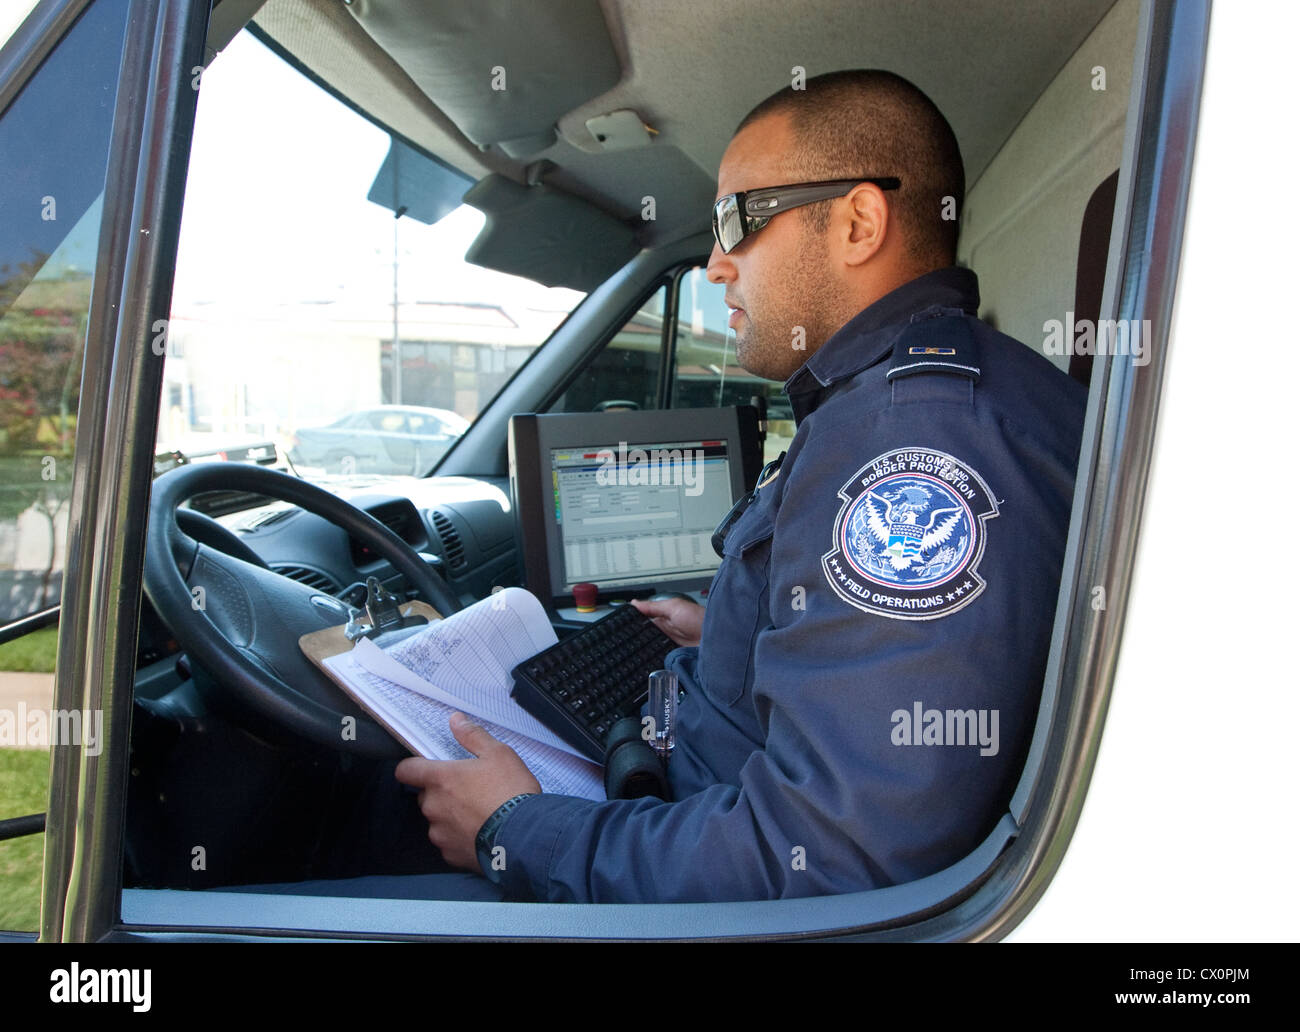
319 646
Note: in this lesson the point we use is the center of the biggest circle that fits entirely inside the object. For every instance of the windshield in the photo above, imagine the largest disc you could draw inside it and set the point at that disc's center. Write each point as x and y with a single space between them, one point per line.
308 323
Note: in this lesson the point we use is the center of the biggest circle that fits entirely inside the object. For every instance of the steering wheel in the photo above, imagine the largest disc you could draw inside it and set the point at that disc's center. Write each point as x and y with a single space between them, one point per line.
240 621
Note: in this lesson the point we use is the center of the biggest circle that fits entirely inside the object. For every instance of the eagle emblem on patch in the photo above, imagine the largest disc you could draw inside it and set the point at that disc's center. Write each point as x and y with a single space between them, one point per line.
908 539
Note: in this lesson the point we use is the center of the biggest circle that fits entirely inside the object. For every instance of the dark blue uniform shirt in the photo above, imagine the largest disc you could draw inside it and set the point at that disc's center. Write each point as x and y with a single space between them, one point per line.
859 709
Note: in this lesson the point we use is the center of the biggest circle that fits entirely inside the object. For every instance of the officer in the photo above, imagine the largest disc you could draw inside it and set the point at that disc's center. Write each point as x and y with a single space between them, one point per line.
861 689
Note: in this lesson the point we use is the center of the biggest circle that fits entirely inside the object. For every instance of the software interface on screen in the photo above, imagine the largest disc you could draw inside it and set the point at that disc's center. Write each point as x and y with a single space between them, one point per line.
629 514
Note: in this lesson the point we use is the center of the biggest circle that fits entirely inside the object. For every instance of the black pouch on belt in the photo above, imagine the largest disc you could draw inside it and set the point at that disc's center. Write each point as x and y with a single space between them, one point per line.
632 768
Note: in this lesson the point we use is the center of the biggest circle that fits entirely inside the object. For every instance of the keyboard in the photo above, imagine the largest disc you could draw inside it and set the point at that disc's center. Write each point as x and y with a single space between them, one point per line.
581 686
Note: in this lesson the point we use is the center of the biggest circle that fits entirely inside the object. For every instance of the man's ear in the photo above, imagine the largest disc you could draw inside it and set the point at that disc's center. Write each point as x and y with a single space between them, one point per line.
863 224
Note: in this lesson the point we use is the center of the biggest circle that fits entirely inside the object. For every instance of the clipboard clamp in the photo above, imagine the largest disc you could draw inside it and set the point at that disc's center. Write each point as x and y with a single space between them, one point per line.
383 610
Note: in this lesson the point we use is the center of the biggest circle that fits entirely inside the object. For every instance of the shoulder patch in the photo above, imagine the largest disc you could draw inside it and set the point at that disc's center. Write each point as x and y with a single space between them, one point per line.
909 536
942 344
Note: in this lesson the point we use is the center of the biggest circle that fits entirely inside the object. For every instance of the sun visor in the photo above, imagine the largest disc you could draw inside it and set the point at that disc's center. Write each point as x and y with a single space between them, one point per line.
546 235
502 70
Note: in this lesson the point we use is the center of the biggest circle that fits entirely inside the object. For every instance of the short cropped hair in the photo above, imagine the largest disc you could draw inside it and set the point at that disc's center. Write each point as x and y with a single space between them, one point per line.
869 122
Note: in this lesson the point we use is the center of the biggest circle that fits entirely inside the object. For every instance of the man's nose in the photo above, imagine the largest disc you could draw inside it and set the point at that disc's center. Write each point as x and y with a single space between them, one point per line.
720 269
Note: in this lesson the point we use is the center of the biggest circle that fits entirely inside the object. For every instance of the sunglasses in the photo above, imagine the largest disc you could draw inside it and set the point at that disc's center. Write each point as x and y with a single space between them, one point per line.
743 214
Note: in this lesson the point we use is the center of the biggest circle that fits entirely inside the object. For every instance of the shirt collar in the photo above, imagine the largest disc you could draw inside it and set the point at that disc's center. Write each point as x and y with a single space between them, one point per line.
866 338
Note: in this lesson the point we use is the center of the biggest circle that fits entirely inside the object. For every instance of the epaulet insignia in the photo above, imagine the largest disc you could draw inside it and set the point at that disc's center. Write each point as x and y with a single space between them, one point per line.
936 344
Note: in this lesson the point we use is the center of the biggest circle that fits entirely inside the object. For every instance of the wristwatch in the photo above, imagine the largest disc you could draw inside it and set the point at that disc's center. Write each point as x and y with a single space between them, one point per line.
486 837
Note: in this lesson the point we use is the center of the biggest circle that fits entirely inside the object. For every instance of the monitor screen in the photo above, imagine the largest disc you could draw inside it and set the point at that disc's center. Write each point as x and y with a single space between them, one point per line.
627 501
628 513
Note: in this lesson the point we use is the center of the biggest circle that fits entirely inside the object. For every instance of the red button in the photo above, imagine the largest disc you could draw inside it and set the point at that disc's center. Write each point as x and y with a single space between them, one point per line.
584 597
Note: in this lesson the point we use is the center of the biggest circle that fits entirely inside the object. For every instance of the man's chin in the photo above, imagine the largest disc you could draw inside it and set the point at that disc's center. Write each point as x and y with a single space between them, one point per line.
767 366
743 353
750 359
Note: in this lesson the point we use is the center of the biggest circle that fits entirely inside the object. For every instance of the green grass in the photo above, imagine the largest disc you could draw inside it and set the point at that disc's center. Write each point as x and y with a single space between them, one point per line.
24 784
32 653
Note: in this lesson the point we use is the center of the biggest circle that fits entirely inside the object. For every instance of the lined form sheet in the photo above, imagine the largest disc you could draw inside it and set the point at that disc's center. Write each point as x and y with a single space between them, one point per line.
465 660
464 663
423 724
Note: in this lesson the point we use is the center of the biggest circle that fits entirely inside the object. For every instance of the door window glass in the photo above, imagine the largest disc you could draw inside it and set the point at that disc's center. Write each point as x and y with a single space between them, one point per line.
706 373
625 373
53 159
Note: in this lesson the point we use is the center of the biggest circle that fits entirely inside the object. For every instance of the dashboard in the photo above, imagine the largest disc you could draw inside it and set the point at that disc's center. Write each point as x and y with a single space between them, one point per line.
466 522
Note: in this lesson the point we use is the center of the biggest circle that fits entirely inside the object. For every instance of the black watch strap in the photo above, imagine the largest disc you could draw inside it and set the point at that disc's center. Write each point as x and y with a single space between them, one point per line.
486 837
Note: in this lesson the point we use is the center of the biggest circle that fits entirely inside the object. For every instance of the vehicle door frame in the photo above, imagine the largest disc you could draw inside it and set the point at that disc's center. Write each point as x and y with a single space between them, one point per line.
153 121
117 426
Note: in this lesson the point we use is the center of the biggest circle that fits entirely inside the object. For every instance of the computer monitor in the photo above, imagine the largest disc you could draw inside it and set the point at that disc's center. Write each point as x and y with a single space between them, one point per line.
626 500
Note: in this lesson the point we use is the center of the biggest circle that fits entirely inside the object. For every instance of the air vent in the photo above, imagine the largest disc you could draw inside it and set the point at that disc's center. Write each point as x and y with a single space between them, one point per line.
399 516
312 578
396 522
453 552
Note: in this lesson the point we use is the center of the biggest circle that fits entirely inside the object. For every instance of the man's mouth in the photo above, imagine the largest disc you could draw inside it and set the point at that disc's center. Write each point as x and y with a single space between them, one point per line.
736 313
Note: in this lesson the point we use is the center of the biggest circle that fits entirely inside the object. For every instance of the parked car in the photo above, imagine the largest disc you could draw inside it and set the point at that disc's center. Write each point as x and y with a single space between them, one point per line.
385 439
1079 124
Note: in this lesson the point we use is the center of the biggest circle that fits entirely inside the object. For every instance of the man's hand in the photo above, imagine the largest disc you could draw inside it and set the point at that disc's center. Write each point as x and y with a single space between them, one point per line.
457 796
676 617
